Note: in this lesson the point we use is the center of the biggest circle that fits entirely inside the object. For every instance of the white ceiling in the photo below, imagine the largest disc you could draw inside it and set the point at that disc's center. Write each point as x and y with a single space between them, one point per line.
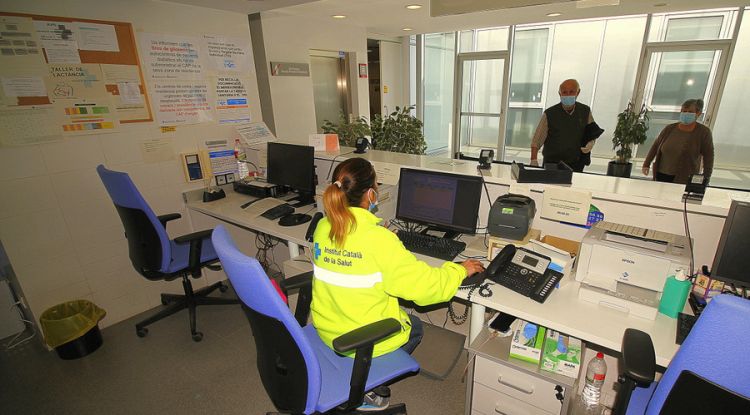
389 17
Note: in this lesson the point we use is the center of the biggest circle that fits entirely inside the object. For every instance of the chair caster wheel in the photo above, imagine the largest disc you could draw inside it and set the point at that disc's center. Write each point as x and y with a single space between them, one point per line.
141 332
223 288
197 336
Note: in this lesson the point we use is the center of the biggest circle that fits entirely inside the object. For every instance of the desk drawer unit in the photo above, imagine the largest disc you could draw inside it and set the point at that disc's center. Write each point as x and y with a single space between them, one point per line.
490 402
528 389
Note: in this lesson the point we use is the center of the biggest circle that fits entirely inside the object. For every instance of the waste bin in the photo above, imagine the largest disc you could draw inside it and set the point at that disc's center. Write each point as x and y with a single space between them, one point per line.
72 328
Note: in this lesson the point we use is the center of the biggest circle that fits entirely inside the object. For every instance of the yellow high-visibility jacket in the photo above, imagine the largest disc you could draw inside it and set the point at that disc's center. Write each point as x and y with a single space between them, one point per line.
359 283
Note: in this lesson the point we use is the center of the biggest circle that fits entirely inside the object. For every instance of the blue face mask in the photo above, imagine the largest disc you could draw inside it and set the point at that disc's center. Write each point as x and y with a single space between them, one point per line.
687 117
373 207
568 100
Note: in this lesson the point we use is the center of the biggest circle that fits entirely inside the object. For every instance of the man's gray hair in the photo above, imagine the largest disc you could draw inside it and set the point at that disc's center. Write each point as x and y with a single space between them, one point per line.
694 103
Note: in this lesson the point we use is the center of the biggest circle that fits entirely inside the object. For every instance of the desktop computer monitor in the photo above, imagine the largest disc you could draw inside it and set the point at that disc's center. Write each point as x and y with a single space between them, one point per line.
293 166
442 201
731 261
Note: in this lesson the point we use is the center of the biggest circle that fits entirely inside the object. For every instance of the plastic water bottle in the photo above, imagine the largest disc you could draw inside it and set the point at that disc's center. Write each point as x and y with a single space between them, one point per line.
241 157
595 373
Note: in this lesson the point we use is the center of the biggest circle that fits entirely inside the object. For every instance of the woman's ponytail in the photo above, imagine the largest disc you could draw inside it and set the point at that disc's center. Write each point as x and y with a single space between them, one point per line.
336 206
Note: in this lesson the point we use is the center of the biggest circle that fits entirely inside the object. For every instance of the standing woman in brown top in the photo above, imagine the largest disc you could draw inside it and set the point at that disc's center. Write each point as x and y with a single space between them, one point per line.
680 147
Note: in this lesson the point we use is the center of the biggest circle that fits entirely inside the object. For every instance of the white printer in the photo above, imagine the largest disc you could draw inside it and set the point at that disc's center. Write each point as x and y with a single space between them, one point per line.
624 267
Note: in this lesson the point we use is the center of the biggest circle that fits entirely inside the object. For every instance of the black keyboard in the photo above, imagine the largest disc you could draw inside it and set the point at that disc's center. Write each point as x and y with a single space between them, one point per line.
685 323
433 246
278 211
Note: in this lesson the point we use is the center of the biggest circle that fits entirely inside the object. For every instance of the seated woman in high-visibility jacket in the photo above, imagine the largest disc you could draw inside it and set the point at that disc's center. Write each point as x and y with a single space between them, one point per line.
361 268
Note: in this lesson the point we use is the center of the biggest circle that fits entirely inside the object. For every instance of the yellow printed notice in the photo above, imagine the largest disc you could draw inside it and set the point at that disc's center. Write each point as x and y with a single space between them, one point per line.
168 129
564 204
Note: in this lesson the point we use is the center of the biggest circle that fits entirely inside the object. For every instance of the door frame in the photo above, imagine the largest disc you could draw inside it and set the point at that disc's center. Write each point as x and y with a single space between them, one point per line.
461 58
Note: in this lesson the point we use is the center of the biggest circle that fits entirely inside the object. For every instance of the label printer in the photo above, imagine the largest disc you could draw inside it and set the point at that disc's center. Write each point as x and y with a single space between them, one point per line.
625 267
511 216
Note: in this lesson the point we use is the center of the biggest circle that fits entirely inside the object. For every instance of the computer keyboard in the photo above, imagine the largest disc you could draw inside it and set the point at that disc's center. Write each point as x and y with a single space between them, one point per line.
278 211
685 323
433 246
628 230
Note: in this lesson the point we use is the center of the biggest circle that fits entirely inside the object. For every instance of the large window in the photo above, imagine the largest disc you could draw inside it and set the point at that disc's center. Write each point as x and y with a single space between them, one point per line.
616 60
439 55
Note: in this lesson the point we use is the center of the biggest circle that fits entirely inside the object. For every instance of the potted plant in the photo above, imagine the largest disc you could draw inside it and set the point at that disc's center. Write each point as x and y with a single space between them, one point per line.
398 131
630 131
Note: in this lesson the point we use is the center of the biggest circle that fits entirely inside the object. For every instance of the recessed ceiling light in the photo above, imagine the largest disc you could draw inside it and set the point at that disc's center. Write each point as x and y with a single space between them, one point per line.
414 6
661 4
554 14
339 16
407 29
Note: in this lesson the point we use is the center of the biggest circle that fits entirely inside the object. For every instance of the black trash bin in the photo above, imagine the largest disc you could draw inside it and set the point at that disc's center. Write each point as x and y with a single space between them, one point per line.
72 328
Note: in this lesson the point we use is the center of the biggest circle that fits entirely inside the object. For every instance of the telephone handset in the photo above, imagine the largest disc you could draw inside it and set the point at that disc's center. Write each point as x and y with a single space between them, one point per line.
497 264
313 224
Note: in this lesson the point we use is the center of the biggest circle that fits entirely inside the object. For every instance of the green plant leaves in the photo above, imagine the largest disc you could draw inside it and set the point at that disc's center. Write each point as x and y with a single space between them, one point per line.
630 130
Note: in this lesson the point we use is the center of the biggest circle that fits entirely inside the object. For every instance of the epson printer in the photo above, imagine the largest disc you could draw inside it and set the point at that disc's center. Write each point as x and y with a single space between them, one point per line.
624 267
511 216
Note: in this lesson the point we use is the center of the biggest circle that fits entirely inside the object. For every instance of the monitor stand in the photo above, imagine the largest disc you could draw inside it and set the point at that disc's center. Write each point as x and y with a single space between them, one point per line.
446 234
302 199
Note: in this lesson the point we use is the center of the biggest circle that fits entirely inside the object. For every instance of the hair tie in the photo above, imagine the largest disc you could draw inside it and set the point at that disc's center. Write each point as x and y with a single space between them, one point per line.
337 183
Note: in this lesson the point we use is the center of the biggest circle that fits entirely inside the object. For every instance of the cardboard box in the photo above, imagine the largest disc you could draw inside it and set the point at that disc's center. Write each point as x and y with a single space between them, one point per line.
527 341
561 354
705 287
567 245
495 244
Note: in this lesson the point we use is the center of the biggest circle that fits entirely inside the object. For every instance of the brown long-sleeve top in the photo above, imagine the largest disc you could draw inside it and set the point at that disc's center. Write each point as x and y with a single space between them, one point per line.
679 153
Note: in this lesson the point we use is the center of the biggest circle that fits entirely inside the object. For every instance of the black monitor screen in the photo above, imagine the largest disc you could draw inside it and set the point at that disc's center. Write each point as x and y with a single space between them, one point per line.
731 260
445 201
291 165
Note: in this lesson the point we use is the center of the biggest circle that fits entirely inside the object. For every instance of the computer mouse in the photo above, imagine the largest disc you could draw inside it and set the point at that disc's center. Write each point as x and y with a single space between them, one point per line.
294 219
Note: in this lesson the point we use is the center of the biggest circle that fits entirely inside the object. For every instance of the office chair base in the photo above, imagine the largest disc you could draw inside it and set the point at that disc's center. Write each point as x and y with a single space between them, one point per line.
396 409
191 300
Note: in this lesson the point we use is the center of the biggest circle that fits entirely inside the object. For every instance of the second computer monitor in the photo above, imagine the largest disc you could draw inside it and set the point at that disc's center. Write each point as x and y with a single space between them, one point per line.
444 201
293 166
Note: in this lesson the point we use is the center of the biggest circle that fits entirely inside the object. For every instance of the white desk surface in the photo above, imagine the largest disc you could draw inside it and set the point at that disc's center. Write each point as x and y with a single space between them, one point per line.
562 311
642 192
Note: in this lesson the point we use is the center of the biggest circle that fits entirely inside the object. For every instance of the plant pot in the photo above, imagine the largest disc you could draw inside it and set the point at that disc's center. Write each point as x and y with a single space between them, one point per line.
619 169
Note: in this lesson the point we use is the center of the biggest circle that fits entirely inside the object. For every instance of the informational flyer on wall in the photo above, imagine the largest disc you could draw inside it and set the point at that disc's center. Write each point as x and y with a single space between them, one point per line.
123 84
96 36
255 133
29 125
80 97
181 102
231 100
171 56
228 53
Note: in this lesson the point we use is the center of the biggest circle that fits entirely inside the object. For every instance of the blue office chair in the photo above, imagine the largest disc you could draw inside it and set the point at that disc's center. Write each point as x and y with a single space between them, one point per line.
156 257
709 374
299 372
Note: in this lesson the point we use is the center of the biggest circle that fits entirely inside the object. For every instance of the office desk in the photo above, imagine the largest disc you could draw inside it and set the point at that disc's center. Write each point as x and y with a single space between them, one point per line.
562 311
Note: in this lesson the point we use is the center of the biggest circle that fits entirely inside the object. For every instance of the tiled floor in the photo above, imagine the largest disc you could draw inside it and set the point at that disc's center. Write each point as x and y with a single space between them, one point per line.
167 373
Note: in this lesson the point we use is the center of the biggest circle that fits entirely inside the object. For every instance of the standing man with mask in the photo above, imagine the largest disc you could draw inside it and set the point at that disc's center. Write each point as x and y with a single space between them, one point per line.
561 130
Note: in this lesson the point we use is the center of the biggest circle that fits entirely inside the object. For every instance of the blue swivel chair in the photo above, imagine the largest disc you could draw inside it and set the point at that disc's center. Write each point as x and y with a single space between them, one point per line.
156 257
299 372
709 374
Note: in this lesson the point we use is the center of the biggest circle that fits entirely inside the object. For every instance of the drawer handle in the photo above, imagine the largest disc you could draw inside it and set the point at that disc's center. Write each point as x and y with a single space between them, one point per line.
511 410
525 388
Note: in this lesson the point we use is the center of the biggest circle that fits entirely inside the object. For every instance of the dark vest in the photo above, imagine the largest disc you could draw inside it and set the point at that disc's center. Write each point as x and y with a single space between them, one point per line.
564 133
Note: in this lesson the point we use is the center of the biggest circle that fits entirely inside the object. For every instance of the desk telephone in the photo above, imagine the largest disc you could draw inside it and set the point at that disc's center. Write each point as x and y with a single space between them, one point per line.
521 270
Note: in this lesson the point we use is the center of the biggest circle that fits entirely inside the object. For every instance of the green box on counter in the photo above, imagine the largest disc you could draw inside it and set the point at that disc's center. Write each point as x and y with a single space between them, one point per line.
562 354
527 341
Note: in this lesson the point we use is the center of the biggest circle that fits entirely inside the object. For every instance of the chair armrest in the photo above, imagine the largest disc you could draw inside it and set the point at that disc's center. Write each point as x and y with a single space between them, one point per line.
363 340
297 281
166 218
200 235
196 244
638 357
366 335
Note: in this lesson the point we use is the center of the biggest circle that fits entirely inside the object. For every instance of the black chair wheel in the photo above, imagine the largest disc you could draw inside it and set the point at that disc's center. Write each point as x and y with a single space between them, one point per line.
197 336
223 288
141 332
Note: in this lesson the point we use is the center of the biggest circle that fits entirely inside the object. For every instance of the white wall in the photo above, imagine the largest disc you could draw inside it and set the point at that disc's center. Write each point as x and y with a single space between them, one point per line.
289 39
59 227
391 76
